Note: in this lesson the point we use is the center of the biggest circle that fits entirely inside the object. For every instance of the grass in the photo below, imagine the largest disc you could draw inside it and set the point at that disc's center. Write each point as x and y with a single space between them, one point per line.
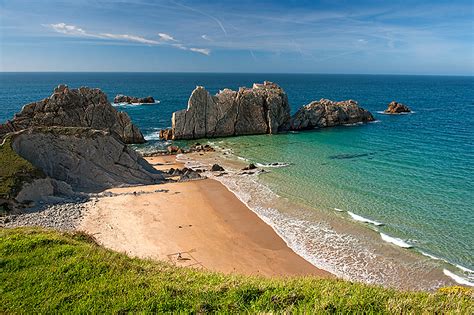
47 271
14 170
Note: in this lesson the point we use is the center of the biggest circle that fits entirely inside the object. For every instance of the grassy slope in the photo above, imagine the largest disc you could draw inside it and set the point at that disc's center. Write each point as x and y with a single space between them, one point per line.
45 271
14 170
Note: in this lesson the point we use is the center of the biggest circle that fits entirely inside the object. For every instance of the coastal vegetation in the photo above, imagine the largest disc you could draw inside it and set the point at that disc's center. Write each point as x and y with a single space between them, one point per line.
49 271
14 171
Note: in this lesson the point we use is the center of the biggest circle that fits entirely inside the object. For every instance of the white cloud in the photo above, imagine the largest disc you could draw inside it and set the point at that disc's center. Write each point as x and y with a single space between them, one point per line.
73 30
180 46
206 37
203 51
131 38
166 37
67 29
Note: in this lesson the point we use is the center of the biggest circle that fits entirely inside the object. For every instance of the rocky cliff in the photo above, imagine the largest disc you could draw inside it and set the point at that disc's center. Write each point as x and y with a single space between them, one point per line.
326 113
262 109
86 159
83 107
397 108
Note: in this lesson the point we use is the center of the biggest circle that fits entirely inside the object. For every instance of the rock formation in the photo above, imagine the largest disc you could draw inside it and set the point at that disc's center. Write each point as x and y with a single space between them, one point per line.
397 108
87 160
130 99
326 113
261 109
83 107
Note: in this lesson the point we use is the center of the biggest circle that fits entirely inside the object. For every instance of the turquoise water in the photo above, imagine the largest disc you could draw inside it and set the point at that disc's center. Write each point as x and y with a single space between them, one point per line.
413 173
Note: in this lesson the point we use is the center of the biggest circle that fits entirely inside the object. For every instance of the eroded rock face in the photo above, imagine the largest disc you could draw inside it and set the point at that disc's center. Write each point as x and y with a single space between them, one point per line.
262 109
86 159
397 108
326 113
83 107
133 100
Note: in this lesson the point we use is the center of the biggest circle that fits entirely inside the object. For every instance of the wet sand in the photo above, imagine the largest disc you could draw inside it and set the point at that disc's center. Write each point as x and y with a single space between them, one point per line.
196 223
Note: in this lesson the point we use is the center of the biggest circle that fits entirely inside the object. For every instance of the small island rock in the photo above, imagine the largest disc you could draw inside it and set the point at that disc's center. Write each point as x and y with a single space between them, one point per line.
133 100
397 108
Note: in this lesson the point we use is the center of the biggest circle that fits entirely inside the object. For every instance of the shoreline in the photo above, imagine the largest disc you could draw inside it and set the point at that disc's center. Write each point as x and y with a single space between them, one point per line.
200 221
394 266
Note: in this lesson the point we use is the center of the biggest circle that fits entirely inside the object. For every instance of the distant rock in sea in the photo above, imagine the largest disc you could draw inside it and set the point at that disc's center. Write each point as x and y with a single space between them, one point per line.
262 109
133 100
397 108
326 113
83 107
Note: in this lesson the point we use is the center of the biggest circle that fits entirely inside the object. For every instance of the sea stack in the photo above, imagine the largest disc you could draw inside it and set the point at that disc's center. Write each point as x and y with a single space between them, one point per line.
397 108
261 109
83 107
326 113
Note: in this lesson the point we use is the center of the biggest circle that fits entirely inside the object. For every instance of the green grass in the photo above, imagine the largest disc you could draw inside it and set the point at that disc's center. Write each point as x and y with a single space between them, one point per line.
14 170
46 271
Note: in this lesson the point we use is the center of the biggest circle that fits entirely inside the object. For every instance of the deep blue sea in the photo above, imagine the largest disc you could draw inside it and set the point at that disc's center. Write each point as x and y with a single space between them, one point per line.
414 173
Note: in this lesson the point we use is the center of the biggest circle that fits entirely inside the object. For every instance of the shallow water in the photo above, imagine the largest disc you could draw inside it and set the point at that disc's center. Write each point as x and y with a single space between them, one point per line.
411 173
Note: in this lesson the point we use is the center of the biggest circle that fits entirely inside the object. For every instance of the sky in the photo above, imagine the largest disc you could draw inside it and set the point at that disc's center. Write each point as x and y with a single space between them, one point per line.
330 36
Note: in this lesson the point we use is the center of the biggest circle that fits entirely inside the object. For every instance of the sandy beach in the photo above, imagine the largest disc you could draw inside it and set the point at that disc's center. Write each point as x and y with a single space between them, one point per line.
196 223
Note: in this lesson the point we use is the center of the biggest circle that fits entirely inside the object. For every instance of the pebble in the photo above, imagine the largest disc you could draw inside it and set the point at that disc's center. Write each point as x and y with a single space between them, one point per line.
64 216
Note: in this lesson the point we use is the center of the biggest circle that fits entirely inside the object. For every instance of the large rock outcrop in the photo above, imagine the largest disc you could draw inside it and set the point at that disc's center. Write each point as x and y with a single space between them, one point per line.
261 109
133 100
326 113
397 108
88 160
83 107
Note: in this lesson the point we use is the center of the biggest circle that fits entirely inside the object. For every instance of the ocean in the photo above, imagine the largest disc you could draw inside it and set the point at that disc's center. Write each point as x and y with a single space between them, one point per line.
407 180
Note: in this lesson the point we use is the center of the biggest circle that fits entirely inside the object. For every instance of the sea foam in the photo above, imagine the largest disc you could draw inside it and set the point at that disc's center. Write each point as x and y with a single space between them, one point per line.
457 278
362 219
396 241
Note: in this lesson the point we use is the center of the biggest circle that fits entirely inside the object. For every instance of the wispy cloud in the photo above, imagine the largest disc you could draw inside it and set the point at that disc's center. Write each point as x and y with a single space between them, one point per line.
73 30
166 37
67 29
205 14
203 51
206 37
131 38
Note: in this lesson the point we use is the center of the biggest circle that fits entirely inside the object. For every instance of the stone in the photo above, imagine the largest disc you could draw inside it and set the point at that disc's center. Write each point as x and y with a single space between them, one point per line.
397 108
87 160
217 168
133 100
251 166
83 107
172 149
326 113
261 109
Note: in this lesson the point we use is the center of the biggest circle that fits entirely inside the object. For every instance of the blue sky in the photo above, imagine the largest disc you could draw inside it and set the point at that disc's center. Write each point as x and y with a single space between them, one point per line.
390 37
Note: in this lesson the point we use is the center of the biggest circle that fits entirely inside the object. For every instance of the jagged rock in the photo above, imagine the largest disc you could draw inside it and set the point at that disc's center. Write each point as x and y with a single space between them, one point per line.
172 149
86 159
251 166
83 107
397 108
262 109
166 134
217 168
189 174
326 113
130 99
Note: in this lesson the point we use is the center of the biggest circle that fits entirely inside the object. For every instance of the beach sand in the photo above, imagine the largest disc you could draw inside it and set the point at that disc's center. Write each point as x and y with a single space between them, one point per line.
200 221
